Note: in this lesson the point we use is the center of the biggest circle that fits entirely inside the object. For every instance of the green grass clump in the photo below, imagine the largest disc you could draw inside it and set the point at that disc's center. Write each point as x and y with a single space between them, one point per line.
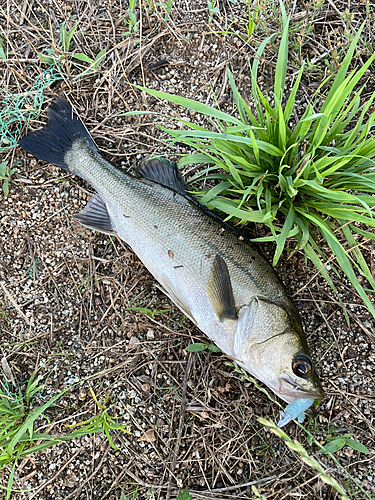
18 436
310 178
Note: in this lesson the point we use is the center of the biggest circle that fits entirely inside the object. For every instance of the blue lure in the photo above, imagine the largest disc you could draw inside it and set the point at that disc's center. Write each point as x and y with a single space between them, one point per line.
295 410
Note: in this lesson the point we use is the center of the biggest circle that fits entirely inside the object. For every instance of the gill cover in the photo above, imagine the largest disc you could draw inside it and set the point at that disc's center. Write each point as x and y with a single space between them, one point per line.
261 321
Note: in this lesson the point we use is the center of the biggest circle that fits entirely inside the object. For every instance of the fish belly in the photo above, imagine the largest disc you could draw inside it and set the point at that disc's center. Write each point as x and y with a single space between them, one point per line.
175 277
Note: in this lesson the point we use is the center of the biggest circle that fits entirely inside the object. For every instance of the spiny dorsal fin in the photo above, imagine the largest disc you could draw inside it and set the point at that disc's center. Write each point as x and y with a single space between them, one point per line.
95 216
220 292
163 172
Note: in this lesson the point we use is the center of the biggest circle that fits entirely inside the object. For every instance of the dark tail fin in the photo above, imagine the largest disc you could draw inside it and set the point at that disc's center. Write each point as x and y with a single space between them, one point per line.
52 142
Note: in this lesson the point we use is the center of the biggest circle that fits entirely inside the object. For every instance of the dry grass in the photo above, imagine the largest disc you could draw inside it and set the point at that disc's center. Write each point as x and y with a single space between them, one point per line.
66 293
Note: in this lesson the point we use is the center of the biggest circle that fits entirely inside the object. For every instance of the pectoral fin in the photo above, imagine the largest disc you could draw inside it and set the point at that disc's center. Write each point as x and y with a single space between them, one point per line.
95 216
220 292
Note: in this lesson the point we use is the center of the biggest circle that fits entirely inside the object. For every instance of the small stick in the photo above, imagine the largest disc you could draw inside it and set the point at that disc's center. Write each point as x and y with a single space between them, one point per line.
15 305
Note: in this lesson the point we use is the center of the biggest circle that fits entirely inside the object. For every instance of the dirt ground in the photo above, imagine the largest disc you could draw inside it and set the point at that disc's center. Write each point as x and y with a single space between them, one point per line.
79 308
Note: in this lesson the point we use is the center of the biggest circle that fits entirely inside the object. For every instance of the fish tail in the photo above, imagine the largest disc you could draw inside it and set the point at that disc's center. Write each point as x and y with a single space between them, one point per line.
52 142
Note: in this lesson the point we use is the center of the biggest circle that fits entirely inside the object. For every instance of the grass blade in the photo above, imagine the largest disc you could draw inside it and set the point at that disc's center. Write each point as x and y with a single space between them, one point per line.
355 247
193 105
298 448
263 146
290 103
282 59
341 257
288 224
341 74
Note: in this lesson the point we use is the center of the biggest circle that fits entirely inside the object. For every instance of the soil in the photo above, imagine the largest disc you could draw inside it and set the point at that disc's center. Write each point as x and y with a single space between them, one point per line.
78 308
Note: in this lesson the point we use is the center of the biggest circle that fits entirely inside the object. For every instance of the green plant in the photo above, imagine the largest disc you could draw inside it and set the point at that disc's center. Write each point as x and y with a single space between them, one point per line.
131 18
166 6
58 55
17 424
257 494
312 181
103 422
211 9
5 176
65 36
132 497
55 55
149 6
335 443
252 19
184 495
296 446
149 312
94 63
197 347
3 55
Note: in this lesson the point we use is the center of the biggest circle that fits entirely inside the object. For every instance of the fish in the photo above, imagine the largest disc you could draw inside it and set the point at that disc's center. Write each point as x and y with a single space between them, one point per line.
207 268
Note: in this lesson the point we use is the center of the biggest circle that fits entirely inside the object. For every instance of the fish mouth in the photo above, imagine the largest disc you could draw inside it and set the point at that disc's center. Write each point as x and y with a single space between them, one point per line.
289 387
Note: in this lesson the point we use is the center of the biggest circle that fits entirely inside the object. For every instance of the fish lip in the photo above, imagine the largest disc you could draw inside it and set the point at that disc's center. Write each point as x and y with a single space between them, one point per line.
297 391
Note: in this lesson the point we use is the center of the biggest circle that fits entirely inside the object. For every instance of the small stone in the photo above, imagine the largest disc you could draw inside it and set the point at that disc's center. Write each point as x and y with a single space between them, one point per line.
148 436
82 395
133 341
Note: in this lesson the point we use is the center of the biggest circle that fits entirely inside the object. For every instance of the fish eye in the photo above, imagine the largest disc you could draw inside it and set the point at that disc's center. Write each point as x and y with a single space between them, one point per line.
301 365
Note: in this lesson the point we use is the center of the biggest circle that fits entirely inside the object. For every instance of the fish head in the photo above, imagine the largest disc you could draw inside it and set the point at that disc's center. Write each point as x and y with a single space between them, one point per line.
269 343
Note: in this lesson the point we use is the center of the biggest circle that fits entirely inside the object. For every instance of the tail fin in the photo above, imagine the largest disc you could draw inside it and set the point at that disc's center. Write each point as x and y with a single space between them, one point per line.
52 142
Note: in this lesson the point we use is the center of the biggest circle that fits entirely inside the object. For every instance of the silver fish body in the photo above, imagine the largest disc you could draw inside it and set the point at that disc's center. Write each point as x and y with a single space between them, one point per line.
177 241
215 276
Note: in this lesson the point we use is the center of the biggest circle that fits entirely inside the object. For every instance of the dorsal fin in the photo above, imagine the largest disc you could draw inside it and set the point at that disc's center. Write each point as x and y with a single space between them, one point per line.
163 172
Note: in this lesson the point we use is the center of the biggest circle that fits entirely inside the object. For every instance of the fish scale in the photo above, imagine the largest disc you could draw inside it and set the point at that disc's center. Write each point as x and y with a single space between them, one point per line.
214 275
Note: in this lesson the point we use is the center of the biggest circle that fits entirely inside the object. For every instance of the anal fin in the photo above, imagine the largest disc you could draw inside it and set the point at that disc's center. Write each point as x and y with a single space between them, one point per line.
95 216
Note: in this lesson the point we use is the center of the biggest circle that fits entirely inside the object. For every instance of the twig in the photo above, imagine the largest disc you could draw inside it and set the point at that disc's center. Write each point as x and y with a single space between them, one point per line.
31 252
244 485
329 327
15 305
